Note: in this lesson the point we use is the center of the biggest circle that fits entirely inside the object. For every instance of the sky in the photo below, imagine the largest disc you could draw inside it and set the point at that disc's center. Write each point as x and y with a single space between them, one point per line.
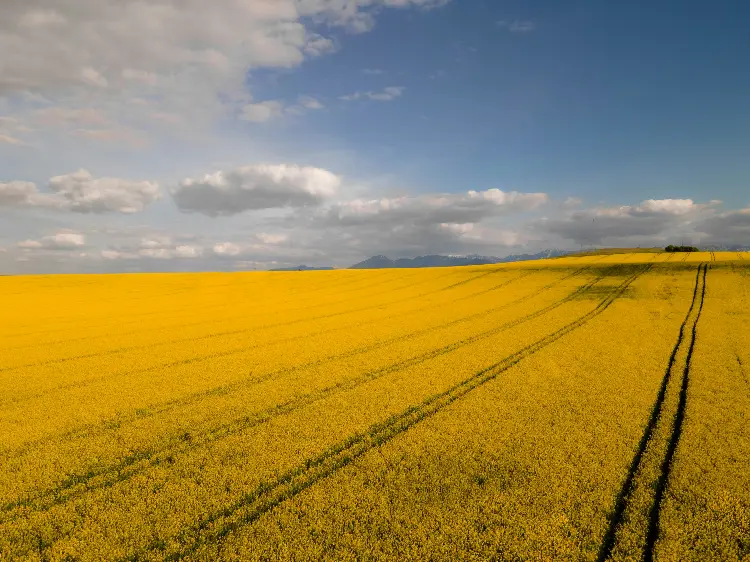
184 135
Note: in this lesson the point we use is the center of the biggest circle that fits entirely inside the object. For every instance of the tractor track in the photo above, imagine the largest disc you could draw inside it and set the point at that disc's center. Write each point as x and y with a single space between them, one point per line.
268 495
159 408
656 418
77 484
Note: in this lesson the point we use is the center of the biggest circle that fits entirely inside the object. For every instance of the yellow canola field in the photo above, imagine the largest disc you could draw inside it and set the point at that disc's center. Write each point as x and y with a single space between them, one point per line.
581 408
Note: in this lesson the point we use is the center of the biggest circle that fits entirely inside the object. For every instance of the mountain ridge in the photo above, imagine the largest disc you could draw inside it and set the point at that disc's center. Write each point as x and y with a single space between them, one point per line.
437 260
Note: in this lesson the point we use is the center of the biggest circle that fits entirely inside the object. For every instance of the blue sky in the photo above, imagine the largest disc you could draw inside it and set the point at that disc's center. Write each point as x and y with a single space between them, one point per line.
323 131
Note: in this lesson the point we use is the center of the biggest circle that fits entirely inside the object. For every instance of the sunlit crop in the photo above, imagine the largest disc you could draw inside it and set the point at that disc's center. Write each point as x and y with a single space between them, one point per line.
580 408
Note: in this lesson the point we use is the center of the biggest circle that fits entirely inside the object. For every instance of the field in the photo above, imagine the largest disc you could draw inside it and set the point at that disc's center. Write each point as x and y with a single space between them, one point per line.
582 408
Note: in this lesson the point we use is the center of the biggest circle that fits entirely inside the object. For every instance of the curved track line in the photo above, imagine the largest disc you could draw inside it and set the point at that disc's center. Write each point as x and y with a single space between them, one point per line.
269 495
119 471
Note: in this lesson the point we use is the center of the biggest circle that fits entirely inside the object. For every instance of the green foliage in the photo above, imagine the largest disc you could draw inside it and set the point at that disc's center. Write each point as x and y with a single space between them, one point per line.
672 248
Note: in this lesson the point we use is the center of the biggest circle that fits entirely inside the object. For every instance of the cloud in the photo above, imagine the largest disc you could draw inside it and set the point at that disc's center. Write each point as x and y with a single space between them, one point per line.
226 249
388 94
7 139
255 187
262 111
59 241
189 57
17 192
271 238
729 228
650 219
372 71
10 129
449 208
68 116
125 136
309 102
86 194
316 45
155 247
26 194
518 26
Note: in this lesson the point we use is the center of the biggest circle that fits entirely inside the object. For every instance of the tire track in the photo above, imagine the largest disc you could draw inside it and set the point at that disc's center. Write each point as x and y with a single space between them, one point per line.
656 417
78 484
378 282
213 335
234 351
155 409
212 307
674 440
268 495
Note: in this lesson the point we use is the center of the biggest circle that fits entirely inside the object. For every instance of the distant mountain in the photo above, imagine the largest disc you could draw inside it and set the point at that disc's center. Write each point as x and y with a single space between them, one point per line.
301 268
544 254
729 248
383 262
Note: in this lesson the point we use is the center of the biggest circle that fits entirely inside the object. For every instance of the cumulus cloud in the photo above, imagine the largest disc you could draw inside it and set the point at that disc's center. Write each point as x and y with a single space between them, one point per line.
316 45
187 57
17 193
449 208
388 94
59 241
26 194
263 186
650 219
227 249
86 194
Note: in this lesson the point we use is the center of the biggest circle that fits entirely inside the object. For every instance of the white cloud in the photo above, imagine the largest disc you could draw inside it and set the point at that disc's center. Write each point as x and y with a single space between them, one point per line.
59 241
26 194
372 71
190 58
316 45
262 111
651 219
263 186
187 251
226 249
309 102
112 254
271 238
17 192
158 248
387 94
86 194
436 209
667 206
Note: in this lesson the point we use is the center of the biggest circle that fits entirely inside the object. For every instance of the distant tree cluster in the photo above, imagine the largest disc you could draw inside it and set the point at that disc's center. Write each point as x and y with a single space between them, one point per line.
671 248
